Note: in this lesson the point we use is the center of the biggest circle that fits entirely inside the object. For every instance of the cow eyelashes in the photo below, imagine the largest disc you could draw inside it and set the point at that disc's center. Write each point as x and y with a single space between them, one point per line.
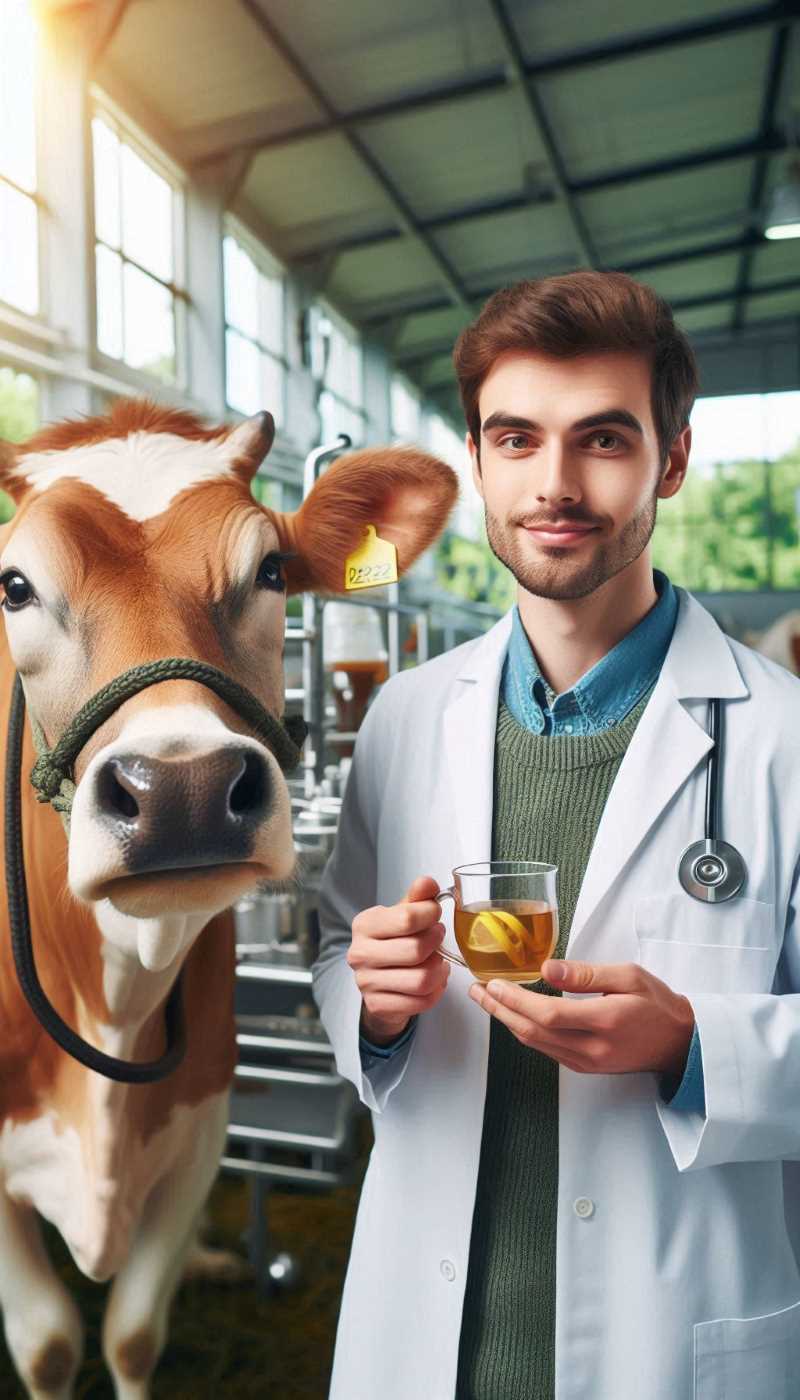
270 572
17 592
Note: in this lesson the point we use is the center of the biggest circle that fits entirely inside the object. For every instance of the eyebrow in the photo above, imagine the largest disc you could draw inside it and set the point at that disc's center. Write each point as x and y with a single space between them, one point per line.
620 416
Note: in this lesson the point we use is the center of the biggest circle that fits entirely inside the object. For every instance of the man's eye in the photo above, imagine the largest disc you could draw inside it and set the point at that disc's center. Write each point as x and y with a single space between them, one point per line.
517 442
607 441
270 574
17 592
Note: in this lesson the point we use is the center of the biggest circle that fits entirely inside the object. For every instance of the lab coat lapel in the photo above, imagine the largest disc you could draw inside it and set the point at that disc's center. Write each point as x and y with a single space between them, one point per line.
470 723
667 747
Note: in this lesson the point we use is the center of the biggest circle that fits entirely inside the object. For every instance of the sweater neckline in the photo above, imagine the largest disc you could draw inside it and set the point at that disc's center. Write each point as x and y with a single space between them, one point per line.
566 751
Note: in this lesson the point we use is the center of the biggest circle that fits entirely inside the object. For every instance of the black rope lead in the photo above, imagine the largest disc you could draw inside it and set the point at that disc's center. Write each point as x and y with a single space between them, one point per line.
124 1071
52 778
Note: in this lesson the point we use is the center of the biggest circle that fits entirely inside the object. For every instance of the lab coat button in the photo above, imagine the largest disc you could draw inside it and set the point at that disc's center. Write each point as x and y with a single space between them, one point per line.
447 1270
584 1207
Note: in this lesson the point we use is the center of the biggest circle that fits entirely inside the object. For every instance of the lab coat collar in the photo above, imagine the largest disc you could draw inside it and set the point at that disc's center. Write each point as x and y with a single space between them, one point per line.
669 743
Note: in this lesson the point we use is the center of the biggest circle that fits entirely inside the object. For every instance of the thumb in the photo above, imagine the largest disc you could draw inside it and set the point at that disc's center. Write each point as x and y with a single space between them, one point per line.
573 976
424 887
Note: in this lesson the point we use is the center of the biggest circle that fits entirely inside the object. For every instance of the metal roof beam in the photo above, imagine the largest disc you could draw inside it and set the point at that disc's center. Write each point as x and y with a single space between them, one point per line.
456 291
607 51
772 86
544 131
509 204
691 254
413 359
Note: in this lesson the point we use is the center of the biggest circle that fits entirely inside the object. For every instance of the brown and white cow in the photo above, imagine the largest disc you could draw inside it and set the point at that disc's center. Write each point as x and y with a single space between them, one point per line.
136 537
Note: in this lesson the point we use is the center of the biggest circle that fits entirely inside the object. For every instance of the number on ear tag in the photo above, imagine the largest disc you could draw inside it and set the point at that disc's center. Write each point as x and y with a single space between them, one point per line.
374 563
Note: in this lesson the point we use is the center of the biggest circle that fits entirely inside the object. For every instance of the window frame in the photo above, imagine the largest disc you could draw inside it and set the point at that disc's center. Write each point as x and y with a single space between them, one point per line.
129 133
269 267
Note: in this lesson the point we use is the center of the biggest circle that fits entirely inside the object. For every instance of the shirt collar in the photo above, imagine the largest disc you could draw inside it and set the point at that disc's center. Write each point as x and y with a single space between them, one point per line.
607 692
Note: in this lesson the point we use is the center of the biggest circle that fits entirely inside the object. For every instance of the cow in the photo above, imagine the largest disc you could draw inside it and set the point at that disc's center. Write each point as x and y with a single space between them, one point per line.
136 538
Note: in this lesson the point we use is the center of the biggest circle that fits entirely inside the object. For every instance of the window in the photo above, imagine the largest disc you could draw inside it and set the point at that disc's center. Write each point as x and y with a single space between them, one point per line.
19 417
446 443
337 364
19 232
255 331
136 214
406 412
735 524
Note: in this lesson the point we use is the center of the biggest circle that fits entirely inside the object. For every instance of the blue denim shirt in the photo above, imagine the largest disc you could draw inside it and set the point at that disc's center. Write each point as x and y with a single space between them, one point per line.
601 698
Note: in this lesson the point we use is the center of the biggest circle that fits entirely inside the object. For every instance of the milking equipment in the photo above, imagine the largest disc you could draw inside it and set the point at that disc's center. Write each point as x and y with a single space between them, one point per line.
293 1119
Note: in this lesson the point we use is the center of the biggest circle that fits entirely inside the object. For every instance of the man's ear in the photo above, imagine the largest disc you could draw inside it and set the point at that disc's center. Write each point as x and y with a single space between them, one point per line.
674 473
404 493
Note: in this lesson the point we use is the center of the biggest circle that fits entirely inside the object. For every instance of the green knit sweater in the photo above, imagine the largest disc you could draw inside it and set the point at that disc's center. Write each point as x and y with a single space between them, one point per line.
549 795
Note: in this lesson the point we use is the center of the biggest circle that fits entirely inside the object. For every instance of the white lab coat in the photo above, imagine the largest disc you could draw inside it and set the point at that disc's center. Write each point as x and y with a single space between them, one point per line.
677 1277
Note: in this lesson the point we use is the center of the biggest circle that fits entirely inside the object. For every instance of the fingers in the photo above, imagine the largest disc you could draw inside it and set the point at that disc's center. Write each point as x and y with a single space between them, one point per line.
422 981
424 887
541 1029
551 1015
398 952
573 976
397 920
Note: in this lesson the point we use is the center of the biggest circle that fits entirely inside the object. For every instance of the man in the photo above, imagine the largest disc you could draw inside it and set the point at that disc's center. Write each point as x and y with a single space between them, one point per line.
574 1196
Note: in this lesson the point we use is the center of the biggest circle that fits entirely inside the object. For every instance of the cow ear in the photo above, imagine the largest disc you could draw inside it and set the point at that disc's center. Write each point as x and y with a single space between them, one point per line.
249 442
12 481
404 493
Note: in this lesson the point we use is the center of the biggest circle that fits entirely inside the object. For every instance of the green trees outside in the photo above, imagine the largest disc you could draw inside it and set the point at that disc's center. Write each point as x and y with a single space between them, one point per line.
19 417
735 526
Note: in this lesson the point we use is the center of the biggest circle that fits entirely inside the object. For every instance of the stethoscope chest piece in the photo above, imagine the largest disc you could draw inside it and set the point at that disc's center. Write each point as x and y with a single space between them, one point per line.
712 871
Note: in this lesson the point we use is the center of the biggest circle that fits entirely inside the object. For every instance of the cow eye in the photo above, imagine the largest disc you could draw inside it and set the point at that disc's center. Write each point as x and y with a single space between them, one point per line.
17 592
270 573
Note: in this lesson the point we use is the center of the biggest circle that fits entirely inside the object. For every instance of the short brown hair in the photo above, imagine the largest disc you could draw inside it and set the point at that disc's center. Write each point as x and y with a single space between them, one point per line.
582 313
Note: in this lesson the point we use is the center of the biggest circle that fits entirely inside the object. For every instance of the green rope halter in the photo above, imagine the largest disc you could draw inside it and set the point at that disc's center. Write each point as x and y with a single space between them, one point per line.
51 775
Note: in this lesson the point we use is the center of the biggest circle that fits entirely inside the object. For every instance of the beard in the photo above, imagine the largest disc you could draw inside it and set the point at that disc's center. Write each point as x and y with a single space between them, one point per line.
556 574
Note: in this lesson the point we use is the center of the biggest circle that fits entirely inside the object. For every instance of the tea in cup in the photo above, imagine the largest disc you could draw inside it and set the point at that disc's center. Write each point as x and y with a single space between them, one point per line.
505 918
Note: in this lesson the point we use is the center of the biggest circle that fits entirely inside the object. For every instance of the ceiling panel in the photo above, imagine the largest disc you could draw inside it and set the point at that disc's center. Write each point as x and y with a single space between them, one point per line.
466 151
773 306
196 62
658 216
775 261
362 53
316 191
695 278
369 274
426 328
552 27
659 104
540 237
706 318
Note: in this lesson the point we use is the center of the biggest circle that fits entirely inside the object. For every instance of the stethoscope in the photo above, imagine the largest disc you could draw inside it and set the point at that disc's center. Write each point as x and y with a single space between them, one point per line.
711 870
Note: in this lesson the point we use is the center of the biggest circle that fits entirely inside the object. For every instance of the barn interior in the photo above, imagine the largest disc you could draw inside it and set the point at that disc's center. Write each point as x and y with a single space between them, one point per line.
233 205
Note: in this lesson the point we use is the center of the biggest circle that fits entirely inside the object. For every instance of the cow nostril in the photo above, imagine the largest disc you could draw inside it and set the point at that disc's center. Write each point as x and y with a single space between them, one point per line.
114 798
249 791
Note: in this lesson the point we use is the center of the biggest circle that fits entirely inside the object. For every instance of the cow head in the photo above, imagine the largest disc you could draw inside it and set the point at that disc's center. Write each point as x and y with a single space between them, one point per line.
136 537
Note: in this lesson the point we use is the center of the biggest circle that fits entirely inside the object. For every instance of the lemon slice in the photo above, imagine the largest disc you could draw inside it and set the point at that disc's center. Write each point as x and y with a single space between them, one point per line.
494 929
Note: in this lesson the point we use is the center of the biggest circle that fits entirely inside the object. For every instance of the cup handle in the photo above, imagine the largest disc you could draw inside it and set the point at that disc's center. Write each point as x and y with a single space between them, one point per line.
444 952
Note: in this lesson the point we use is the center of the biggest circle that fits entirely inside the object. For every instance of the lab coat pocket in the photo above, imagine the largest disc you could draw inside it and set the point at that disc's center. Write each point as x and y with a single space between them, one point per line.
755 1358
696 947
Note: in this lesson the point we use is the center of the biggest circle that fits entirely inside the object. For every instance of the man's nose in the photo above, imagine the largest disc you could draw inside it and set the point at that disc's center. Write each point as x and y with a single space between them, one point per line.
557 481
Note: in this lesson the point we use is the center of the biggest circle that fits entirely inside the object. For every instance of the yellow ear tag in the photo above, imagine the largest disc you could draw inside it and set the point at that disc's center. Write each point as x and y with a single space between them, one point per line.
374 563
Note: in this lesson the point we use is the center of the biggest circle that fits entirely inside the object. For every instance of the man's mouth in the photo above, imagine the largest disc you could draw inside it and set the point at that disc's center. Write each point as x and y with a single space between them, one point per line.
561 534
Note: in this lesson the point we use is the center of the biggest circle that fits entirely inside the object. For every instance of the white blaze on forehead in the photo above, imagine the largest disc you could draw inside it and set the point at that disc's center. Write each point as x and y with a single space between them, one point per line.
141 474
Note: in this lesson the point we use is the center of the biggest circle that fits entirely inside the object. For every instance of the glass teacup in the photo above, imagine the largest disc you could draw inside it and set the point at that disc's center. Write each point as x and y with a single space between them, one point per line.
505 917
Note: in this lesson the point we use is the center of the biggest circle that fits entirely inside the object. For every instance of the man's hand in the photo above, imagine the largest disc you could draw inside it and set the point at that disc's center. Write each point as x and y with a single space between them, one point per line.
638 1023
398 971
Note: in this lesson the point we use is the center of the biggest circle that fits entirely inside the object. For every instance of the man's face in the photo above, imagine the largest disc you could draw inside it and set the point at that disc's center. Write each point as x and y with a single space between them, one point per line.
570 469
